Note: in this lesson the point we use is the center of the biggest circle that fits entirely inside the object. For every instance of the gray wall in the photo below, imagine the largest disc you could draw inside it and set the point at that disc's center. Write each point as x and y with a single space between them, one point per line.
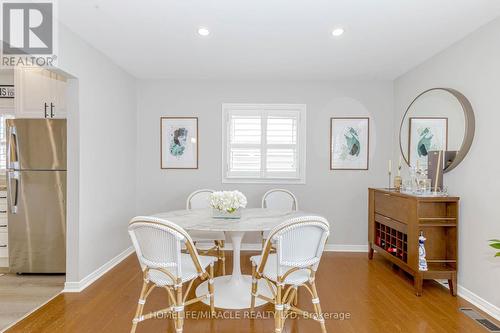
471 66
101 162
341 196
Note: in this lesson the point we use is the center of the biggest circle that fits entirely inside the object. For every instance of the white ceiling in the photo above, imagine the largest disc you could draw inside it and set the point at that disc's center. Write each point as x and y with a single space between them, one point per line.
273 39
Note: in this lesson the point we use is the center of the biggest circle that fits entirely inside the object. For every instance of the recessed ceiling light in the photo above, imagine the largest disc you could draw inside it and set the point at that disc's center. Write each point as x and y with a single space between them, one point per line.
202 31
337 32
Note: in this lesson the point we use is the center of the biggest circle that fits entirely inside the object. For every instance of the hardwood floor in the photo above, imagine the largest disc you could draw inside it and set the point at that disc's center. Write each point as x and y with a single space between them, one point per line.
376 300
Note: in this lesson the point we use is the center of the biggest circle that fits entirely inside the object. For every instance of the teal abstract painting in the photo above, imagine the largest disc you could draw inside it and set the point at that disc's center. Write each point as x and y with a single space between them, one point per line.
179 142
426 135
349 146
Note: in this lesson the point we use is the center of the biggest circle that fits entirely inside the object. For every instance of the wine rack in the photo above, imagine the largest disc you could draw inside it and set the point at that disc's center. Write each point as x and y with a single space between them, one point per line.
392 241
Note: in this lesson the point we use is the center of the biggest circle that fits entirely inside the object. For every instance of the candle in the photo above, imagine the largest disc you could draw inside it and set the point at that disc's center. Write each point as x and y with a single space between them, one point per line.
438 173
390 166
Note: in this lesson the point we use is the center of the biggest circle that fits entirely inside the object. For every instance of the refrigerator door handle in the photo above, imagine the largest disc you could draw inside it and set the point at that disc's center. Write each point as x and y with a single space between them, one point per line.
13 164
13 175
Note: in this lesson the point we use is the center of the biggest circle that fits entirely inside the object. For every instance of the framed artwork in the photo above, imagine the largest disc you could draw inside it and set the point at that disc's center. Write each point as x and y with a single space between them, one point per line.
349 143
426 134
179 142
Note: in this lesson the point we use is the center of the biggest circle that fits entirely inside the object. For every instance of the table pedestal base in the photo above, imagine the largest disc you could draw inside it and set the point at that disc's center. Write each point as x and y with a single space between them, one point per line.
234 293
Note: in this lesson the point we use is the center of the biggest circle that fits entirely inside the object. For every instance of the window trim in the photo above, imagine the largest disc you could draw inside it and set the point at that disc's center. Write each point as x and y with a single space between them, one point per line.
301 143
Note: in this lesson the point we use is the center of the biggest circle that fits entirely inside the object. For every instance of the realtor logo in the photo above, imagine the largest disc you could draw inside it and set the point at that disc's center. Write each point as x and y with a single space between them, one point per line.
27 30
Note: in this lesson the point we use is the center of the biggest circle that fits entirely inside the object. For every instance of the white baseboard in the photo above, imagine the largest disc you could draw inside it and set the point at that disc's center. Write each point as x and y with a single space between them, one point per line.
474 299
76 287
479 302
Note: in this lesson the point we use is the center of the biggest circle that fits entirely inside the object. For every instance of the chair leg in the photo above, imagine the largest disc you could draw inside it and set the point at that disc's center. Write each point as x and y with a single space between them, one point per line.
296 297
223 257
278 309
317 307
140 306
211 289
179 312
254 286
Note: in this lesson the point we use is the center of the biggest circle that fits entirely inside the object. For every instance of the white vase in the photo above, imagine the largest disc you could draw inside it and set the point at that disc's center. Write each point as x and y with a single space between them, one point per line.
222 214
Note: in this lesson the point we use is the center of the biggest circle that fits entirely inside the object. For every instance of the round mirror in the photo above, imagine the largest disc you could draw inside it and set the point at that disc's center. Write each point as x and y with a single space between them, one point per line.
438 122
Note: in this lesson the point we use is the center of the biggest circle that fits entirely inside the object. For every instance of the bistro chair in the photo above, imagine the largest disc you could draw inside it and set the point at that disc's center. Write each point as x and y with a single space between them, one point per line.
278 199
299 244
158 245
207 242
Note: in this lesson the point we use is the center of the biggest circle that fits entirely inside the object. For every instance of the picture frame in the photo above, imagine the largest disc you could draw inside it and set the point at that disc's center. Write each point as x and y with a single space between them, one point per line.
426 134
349 143
179 142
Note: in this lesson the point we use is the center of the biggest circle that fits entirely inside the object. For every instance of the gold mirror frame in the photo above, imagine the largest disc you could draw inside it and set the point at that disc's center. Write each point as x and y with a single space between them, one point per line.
470 125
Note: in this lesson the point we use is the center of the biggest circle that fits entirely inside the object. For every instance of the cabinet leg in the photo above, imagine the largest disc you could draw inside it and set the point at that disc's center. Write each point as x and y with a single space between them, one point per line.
452 283
418 284
370 251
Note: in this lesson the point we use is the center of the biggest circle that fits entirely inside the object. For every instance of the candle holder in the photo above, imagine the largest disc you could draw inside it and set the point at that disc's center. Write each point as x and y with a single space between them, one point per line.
398 182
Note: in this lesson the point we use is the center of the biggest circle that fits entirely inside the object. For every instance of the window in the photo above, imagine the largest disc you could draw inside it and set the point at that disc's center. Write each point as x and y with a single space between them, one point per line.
3 141
264 143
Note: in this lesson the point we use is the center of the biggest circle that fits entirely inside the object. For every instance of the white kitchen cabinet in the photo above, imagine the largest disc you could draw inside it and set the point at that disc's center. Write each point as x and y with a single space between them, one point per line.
40 93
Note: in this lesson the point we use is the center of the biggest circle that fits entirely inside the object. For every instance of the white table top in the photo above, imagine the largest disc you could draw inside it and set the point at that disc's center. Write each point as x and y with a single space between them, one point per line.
252 219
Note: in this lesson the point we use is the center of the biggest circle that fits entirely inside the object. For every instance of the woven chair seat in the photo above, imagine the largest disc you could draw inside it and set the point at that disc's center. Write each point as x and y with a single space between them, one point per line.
187 267
296 278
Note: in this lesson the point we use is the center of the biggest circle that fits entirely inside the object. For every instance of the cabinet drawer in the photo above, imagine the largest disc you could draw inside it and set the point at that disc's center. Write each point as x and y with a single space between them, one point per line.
401 227
3 207
3 195
395 207
4 251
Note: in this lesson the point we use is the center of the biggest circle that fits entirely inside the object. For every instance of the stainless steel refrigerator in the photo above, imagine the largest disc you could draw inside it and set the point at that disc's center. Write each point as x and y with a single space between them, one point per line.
36 195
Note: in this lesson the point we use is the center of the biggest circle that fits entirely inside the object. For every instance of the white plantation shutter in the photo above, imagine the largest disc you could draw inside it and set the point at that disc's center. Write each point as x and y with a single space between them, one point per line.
264 143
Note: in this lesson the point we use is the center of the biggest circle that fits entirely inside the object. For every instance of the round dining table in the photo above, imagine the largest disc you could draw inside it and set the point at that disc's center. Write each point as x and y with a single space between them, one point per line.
232 291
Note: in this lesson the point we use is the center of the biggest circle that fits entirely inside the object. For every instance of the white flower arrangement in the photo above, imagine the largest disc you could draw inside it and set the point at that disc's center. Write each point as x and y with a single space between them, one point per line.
228 201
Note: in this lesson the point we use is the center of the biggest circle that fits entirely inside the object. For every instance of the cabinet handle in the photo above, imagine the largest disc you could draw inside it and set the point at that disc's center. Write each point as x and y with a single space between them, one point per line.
45 109
52 106
3 211
3 245
3 226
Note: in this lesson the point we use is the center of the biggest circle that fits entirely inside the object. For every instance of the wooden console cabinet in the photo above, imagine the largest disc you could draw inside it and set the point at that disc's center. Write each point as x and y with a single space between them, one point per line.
395 221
